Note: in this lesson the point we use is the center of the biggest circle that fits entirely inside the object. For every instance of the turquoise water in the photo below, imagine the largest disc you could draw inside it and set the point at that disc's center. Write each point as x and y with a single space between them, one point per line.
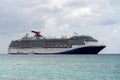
59 67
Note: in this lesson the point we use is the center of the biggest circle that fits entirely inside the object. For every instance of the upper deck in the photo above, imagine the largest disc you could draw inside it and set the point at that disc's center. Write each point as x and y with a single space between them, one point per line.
51 42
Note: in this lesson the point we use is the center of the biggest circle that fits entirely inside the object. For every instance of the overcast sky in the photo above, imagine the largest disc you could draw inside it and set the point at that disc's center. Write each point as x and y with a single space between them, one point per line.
97 18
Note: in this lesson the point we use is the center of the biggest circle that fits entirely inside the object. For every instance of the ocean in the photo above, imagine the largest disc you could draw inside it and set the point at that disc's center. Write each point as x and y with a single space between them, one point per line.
60 67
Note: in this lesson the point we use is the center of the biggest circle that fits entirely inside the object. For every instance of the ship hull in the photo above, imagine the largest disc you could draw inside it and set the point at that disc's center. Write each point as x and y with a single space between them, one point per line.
78 50
85 50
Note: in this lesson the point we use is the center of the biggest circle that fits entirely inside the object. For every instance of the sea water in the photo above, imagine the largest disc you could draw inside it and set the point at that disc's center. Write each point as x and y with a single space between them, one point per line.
59 67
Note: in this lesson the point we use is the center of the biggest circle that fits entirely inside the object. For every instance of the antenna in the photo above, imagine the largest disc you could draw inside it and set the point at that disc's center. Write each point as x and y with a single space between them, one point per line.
75 33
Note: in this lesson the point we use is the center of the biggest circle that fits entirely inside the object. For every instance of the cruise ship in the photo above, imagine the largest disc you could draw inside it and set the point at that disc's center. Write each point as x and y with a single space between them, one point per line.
39 44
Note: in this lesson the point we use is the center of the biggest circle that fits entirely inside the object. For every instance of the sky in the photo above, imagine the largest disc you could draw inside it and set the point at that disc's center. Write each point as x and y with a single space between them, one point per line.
97 18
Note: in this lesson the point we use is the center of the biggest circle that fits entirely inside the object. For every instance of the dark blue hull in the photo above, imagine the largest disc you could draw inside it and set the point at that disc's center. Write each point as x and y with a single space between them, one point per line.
85 50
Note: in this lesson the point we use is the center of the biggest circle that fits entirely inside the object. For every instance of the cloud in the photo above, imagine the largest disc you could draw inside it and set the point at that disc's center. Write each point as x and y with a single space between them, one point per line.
76 13
98 18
